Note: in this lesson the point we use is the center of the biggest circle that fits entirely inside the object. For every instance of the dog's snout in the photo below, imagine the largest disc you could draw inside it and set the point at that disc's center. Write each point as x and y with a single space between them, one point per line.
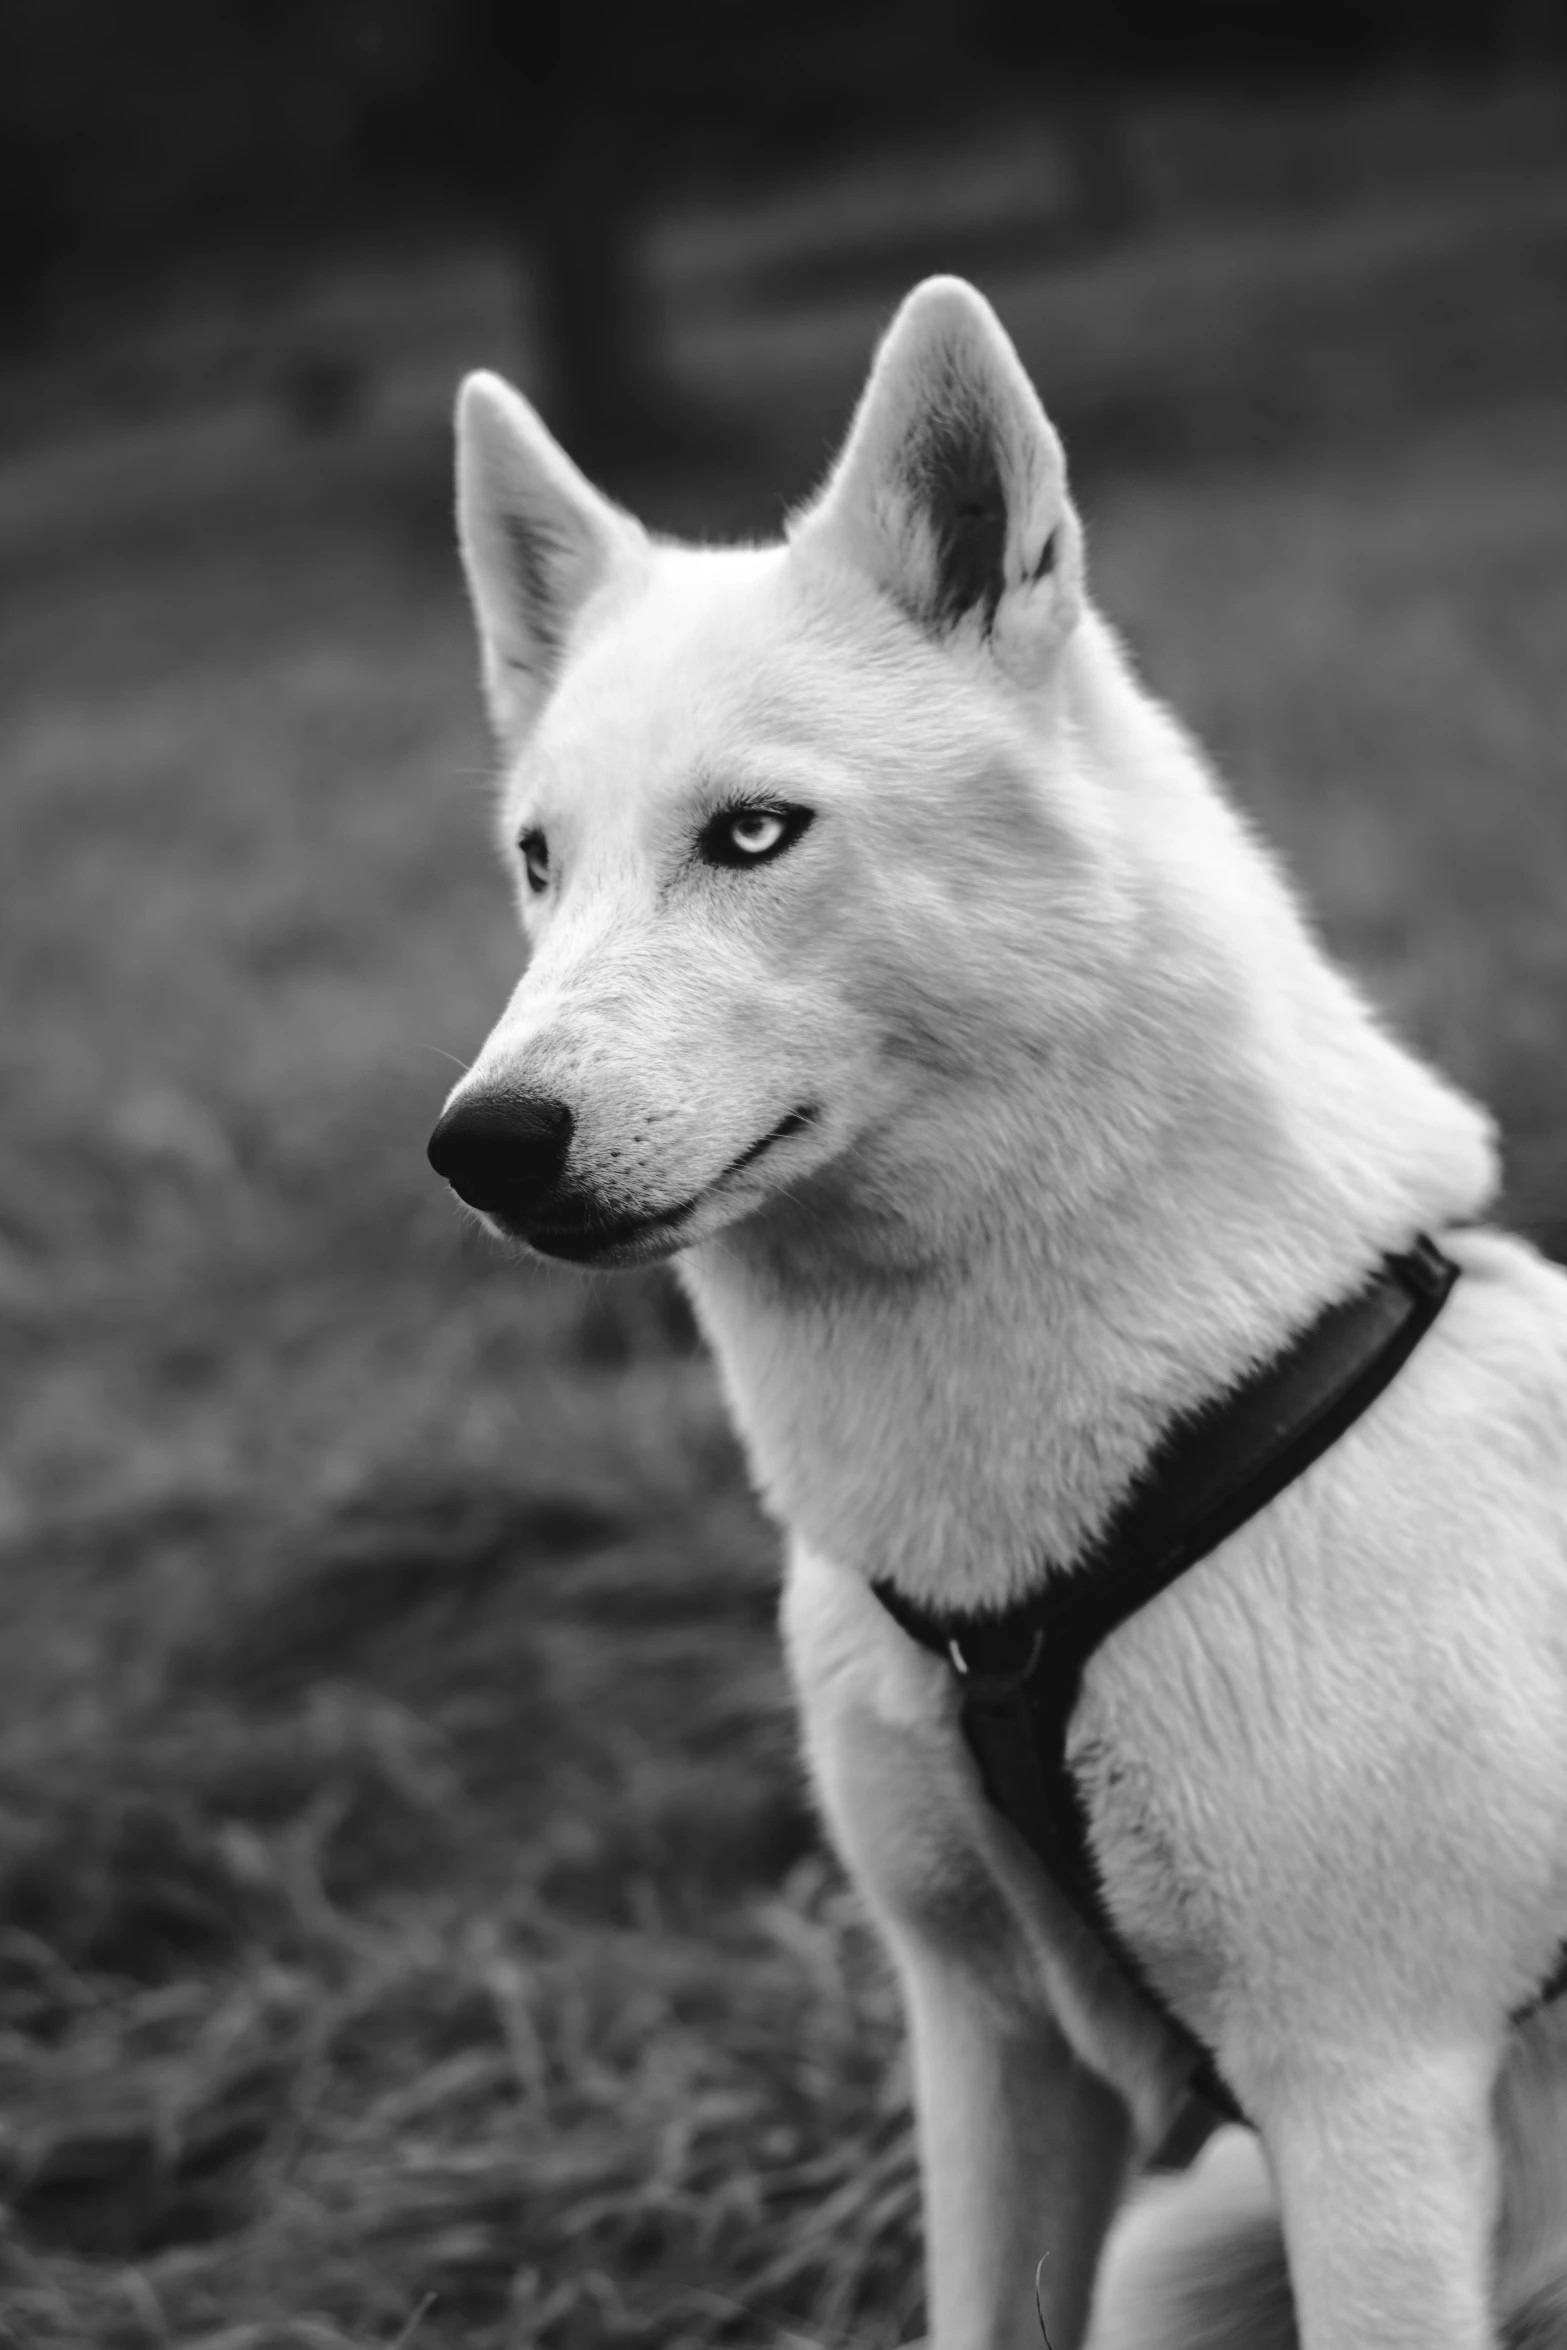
503 1153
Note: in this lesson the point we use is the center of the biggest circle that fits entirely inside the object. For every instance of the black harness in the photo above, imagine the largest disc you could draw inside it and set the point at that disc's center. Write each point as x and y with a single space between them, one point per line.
1020 1671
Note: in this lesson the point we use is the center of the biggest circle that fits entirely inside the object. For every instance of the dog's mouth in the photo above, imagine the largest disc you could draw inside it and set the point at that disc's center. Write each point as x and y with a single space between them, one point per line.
596 1239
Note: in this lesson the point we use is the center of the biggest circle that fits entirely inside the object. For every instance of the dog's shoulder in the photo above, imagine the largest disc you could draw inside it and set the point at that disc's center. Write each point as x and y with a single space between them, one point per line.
887 1757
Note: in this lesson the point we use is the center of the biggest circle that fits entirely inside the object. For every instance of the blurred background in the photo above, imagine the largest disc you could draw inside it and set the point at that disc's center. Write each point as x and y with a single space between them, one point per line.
412 1929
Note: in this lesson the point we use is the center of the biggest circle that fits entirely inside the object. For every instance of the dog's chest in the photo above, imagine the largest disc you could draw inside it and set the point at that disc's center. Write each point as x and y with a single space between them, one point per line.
948 1450
883 1732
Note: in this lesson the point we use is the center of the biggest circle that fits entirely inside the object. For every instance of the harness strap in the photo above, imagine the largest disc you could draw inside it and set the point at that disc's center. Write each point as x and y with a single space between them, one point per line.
1020 1670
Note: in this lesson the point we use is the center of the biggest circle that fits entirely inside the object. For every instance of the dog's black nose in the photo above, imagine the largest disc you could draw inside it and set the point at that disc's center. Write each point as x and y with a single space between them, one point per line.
503 1152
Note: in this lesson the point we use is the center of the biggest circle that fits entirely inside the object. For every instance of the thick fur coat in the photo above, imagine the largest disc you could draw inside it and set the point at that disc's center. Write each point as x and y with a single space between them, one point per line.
897 964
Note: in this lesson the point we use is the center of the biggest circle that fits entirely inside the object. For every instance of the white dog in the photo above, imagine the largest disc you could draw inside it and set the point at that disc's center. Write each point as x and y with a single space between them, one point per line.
895 961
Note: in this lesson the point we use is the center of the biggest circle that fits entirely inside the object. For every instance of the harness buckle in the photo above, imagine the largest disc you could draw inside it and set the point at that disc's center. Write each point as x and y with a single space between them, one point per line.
988 1676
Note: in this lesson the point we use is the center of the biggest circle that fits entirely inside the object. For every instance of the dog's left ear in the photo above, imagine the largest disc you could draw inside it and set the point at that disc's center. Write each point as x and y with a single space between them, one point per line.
951 489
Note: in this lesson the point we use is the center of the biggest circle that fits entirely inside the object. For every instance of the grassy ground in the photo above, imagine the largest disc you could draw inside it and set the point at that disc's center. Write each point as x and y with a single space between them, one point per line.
411 1927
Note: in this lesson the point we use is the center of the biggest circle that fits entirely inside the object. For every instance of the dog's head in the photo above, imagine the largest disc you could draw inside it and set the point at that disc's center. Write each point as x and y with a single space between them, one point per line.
795 830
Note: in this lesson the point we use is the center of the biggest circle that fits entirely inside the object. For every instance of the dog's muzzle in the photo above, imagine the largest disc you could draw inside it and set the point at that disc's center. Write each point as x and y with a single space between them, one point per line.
505 1154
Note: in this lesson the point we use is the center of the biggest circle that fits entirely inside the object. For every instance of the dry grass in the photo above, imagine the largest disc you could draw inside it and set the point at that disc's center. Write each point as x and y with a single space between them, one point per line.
411 1926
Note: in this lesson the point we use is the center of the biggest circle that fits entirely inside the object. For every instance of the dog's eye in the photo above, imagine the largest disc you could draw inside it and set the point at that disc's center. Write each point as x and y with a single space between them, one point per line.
535 859
749 836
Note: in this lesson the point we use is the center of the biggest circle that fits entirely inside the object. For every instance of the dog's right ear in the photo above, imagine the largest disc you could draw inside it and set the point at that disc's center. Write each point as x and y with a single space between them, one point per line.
537 541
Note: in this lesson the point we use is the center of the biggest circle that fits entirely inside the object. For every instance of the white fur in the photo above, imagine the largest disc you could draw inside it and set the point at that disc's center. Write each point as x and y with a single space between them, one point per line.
1095 1126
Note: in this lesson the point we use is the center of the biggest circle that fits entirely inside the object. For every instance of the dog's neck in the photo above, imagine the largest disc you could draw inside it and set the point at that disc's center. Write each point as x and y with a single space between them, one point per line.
951 1383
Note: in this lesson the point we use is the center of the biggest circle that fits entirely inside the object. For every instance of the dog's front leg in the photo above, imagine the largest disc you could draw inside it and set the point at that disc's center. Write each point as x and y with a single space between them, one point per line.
1024 2151
1387 2180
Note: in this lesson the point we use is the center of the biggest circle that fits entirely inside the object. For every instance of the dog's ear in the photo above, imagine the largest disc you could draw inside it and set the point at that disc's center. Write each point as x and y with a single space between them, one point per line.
951 488
537 541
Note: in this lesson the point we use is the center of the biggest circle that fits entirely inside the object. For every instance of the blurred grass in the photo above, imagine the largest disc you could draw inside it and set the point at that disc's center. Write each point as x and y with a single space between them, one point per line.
411 1925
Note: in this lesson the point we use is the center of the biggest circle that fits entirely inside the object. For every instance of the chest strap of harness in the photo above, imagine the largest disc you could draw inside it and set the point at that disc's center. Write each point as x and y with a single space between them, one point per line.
1020 1670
